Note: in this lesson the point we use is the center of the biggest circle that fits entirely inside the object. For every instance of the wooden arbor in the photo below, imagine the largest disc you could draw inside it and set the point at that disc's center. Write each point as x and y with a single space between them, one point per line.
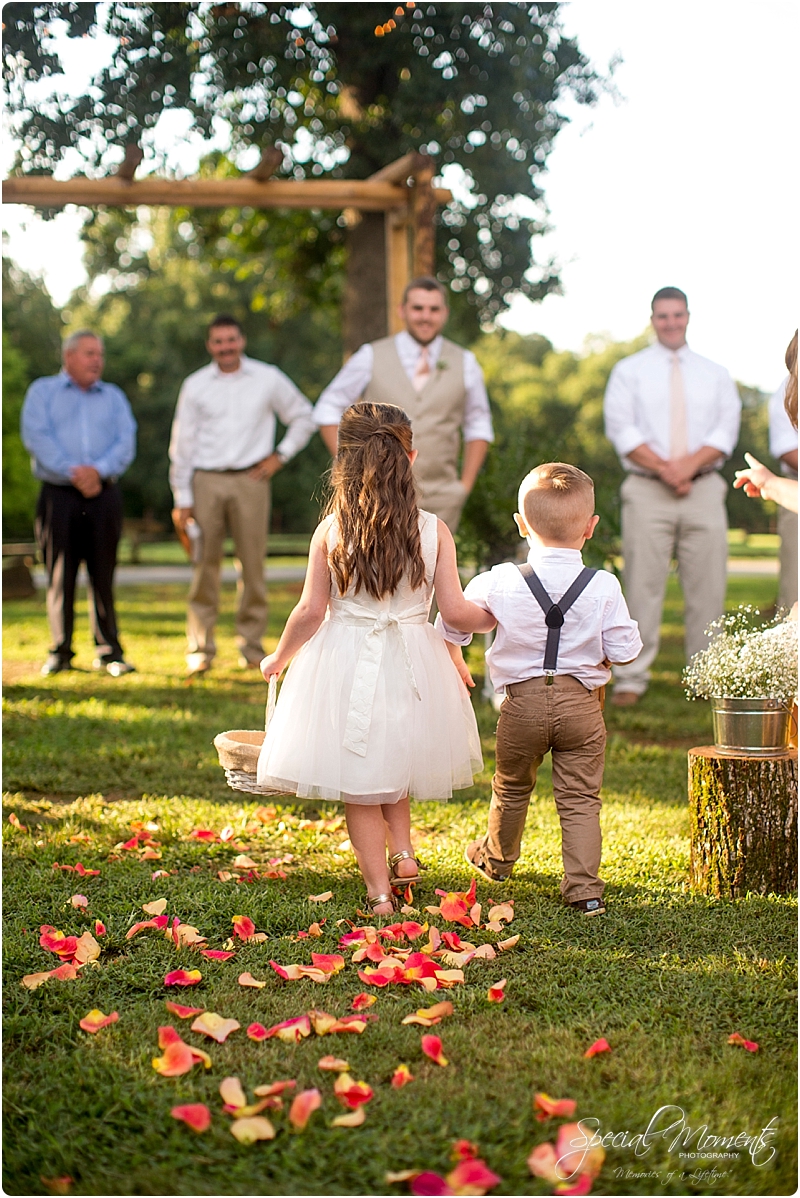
400 196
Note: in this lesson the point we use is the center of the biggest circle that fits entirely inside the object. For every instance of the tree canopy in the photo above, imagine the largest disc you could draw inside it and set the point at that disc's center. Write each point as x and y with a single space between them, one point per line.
341 89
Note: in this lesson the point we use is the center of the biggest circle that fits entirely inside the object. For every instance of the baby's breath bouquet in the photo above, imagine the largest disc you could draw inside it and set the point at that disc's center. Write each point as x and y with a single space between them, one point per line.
746 660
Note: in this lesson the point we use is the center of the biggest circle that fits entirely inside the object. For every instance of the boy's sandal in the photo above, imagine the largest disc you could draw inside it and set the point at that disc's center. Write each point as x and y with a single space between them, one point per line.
398 882
378 900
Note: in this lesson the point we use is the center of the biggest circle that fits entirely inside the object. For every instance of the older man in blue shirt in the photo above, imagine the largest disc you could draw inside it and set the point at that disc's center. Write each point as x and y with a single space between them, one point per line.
81 435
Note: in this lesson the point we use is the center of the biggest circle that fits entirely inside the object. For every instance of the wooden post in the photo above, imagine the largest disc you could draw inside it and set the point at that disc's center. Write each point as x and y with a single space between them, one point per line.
397 266
423 212
743 813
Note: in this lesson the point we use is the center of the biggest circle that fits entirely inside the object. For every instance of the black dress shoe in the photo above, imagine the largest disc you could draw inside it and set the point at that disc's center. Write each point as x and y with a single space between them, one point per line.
55 665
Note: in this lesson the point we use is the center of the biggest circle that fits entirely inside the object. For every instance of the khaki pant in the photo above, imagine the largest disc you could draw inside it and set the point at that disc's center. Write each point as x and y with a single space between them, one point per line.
229 499
565 718
787 530
657 526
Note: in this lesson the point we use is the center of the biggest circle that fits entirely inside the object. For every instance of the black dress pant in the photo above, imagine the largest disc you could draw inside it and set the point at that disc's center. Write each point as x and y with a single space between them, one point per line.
71 529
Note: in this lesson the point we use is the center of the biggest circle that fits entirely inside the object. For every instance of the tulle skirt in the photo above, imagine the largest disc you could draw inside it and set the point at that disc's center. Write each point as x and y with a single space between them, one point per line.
426 746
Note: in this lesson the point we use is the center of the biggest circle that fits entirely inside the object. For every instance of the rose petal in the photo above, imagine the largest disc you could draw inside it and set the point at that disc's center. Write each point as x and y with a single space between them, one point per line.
303 1106
182 1012
472 1177
598 1046
96 1019
243 862
505 945
183 977
138 927
550 1108
202 834
430 1184
362 1001
157 907
275 1088
464 1150
213 1025
57 1185
292 1031
216 954
86 949
99 928
351 1119
352 1094
333 1064
428 1016
542 1163
257 1031
432 1047
243 927
497 992
502 911
321 898
79 900
195 1114
750 1045
401 1077
62 973
247 979
573 1157
328 962
177 1060
226 834
231 1092
247 1131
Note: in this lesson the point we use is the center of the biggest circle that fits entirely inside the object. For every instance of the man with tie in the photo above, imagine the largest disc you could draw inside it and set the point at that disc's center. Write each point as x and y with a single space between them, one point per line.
673 418
437 383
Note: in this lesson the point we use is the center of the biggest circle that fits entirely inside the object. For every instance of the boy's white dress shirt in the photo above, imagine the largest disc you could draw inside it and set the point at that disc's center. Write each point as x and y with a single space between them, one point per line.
598 625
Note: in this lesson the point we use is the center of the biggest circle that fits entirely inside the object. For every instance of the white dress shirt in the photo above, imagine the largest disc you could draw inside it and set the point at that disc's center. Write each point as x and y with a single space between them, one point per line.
782 437
598 625
226 421
637 404
349 384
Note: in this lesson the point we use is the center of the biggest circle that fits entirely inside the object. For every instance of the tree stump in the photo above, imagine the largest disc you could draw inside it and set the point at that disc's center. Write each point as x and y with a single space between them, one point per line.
743 813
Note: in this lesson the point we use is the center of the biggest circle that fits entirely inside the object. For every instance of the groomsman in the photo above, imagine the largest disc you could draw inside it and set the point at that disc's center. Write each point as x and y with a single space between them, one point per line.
673 418
437 383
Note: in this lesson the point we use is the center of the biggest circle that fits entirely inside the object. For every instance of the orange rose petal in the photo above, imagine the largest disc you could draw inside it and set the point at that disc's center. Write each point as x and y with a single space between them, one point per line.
542 1163
86 949
231 1092
213 1025
57 1185
401 1077
243 927
464 1150
157 907
598 1046
195 1114
497 992
362 1001
248 1131
472 1177
182 1012
291 1030
432 1047
138 927
328 962
351 1094
216 954
275 1088
553 1108
333 1064
574 1158
321 898
96 1019
303 1106
177 1060
505 945
352 1119
99 928
183 977
257 1031
750 1045
247 979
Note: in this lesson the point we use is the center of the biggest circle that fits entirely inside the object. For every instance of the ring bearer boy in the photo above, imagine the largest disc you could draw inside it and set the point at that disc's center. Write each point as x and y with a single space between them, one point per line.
559 627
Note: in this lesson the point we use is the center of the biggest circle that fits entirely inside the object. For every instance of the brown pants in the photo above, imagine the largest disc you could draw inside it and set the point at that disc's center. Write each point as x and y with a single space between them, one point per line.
230 500
566 718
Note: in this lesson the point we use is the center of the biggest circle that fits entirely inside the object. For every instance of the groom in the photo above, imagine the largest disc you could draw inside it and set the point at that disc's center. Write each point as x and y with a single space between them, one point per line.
437 383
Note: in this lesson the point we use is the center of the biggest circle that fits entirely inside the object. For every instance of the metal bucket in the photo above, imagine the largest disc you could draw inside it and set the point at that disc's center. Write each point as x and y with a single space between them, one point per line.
756 727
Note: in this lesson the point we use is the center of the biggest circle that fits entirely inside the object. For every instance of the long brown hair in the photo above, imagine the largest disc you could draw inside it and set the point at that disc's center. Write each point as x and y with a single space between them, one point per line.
790 400
374 501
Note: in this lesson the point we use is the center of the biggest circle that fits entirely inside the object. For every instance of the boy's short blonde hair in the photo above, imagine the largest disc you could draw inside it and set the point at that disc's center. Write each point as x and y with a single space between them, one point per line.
557 501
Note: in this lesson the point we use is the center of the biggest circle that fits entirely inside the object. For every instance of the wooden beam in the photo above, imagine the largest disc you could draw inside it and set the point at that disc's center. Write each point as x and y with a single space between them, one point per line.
396 172
364 194
398 266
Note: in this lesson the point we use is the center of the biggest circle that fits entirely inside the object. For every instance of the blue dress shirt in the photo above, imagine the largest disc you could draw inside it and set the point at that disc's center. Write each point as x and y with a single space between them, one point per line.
64 426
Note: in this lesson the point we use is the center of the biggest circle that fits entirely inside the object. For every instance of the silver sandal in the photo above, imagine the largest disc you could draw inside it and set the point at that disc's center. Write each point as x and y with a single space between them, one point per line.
377 900
399 883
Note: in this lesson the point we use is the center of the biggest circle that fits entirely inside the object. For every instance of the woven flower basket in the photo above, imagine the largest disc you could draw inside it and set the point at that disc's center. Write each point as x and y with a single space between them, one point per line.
238 751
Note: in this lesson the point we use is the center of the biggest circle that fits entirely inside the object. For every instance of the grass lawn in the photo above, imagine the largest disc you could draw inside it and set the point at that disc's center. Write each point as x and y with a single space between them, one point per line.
666 976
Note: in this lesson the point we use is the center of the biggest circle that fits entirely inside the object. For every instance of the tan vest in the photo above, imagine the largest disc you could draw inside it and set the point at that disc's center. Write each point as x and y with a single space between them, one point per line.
437 416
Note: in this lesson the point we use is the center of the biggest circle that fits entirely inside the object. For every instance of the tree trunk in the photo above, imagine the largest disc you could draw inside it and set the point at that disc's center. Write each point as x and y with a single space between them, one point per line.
743 814
365 317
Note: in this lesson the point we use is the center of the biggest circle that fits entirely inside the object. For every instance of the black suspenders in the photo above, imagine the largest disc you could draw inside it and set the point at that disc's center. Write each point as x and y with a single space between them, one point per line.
554 612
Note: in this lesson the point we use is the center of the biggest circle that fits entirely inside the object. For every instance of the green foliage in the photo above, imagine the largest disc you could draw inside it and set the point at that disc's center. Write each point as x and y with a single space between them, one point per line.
31 347
471 85
665 976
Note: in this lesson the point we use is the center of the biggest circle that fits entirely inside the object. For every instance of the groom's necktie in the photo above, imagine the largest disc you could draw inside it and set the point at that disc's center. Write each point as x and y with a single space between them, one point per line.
678 439
423 370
